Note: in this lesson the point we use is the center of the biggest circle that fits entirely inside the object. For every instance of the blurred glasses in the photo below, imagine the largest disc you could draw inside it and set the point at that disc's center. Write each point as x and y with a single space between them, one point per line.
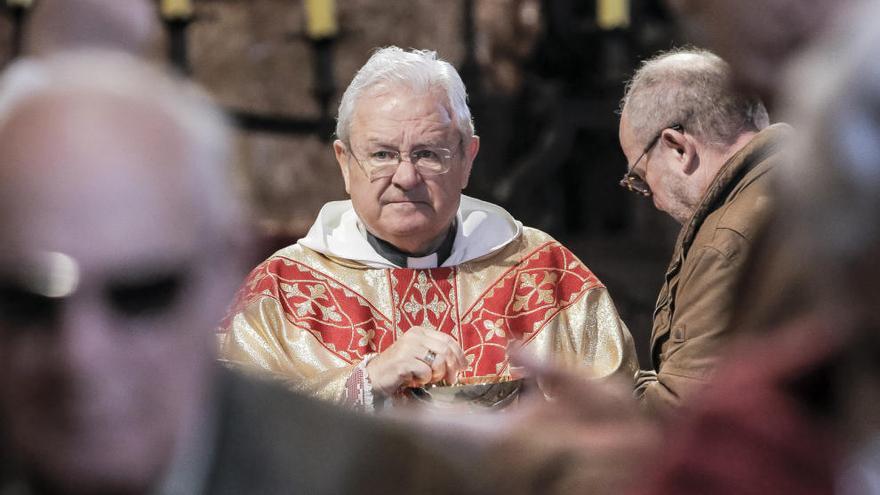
34 294
428 161
632 181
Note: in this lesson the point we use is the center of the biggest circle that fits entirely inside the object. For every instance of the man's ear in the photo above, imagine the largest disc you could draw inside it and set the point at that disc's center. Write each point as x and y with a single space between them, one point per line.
470 152
683 149
341 158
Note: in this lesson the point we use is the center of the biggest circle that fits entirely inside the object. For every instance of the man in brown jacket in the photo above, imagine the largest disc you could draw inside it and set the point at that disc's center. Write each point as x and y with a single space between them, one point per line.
702 153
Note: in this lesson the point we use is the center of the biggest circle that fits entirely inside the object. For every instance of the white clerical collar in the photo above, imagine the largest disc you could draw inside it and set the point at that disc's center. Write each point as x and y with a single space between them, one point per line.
481 228
429 261
403 260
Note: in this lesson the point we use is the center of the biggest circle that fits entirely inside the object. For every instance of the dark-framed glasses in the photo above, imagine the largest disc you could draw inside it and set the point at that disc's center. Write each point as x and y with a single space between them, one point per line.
428 160
632 181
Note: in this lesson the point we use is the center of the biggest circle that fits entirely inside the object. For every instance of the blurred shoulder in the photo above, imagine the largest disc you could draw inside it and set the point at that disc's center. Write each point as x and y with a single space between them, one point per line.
272 440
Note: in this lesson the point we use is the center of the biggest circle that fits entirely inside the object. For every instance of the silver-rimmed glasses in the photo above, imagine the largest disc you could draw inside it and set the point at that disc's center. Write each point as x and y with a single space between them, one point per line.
428 161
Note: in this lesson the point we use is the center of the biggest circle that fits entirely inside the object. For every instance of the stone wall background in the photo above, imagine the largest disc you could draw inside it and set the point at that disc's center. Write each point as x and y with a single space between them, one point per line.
253 55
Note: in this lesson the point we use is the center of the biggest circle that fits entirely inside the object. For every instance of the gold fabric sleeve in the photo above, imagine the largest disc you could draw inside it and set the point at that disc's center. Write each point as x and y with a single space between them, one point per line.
588 337
260 338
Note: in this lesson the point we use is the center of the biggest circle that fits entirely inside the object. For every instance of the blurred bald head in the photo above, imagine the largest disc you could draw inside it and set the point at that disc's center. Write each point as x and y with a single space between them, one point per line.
830 197
117 260
126 25
132 109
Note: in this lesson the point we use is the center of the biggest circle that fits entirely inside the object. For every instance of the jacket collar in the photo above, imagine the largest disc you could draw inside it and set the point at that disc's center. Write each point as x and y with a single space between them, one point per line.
740 170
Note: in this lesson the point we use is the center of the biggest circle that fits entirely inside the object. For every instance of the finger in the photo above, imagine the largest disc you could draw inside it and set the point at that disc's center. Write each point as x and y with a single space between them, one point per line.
453 358
458 353
436 357
448 357
452 369
420 331
446 366
444 342
419 373
455 362
420 340
414 336
438 370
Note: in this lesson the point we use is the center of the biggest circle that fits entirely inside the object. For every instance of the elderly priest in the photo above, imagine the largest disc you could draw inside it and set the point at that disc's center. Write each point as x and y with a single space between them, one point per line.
410 282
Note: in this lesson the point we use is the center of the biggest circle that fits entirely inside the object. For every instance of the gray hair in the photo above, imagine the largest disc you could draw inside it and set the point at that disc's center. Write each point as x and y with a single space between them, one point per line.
114 74
690 87
419 70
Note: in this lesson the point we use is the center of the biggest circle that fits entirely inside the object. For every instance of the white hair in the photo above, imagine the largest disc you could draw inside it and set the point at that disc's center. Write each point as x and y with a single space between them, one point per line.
202 126
690 87
419 70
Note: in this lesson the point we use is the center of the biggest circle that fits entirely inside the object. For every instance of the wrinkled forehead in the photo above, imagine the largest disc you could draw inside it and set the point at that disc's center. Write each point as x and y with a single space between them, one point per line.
98 179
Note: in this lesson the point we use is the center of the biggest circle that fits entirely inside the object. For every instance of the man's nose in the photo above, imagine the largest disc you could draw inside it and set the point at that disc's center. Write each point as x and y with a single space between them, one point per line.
407 175
82 337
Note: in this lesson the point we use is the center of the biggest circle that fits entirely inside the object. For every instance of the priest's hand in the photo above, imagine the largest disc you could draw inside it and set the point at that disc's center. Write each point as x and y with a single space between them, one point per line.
421 356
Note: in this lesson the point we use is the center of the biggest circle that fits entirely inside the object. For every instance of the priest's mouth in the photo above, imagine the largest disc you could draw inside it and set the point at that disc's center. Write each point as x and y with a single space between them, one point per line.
406 202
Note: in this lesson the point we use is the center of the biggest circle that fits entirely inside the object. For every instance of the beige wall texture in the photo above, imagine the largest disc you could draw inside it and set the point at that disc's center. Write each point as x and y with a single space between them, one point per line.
253 55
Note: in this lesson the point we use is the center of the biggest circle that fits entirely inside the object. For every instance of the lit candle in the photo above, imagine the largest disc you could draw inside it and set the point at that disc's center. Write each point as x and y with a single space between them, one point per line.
321 19
611 14
177 9
24 4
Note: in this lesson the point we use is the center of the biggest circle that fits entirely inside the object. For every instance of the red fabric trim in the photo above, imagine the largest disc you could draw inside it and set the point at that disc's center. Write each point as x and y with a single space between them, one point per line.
517 306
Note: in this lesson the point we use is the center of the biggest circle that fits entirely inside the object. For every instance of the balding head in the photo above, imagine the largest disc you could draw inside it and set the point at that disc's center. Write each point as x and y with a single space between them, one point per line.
97 172
59 25
159 112
115 266
690 87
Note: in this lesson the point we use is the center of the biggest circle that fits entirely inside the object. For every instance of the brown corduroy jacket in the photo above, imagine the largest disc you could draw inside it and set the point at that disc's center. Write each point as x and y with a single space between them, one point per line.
694 309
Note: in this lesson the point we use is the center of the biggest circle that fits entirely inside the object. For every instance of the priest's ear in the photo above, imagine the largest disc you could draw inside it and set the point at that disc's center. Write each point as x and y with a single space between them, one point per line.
470 149
341 151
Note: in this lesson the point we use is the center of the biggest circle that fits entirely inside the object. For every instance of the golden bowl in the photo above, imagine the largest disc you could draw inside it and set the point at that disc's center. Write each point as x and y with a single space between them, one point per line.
477 393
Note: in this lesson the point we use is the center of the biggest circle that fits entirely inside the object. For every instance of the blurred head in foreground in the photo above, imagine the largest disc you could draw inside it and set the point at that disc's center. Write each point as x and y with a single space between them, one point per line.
58 25
828 225
115 208
831 189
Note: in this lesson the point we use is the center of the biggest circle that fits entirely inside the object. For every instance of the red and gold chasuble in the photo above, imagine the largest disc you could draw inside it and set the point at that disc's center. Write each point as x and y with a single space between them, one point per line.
311 319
